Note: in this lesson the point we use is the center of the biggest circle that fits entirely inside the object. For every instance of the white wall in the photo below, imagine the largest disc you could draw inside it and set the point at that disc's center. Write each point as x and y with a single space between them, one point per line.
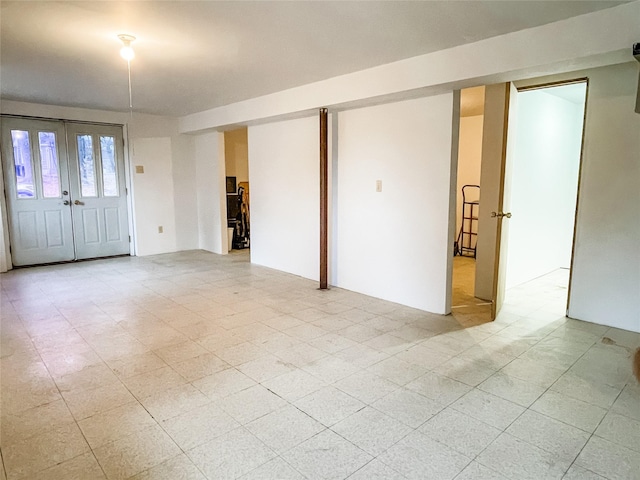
606 271
544 183
394 244
154 205
211 192
469 161
285 206
185 195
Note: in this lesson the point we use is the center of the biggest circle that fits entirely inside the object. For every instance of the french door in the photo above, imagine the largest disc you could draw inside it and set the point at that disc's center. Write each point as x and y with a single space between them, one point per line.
65 189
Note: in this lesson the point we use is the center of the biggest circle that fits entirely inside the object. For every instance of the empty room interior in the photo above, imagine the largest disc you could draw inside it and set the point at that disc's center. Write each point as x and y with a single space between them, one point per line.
319 240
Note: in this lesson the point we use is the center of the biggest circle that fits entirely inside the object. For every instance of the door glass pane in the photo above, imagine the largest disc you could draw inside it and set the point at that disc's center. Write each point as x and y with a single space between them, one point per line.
87 166
22 162
109 178
49 165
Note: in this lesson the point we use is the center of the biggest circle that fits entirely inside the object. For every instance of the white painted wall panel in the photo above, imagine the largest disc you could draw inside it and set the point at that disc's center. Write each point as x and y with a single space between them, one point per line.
211 196
284 180
394 244
606 270
154 196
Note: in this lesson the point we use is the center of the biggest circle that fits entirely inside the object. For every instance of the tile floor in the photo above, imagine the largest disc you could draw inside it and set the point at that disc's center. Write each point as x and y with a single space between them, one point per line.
196 366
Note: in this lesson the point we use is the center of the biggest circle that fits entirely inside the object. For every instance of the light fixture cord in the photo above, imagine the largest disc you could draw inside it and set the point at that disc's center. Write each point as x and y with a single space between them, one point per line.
130 98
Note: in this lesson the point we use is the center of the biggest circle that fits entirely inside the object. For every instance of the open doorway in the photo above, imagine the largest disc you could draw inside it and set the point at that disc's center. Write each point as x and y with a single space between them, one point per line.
236 152
466 307
545 168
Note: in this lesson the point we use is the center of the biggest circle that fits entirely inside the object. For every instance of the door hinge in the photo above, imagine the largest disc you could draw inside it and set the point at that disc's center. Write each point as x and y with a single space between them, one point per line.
129 238
126 191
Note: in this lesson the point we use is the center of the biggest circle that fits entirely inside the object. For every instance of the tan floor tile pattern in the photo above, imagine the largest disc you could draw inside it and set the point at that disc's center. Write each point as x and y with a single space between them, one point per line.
194 366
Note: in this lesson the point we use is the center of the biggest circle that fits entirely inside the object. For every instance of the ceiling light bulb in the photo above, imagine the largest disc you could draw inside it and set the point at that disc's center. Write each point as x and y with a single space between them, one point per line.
126 51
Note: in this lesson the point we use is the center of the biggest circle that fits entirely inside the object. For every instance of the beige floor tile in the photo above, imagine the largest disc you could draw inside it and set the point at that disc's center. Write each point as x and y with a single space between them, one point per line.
376 470
276 468
199 425
156 381
619 429
569 410
251 403
609 460
294 385
284 428
440 388
223 384
82 467
136 453
329 405
511 388
549 434
366 386
327 455
133 365
231 455
595 393
266 367
371 430
460 432
116 423
179 352
418 457
91 376
177 468
174 401
200 366
86 403
37 420
488 408
330 369
477 471
408 407
515 458
27 457
397 371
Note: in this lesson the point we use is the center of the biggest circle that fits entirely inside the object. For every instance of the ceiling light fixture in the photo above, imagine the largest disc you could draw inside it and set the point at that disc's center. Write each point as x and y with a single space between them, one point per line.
126 51
128 54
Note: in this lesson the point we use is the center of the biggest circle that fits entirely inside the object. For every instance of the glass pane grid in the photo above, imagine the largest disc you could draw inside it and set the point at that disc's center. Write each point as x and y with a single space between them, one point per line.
23 164
49 165
109 173
86 162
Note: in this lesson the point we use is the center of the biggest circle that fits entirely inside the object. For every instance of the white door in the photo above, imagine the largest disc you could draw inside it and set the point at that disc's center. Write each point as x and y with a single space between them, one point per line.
37 191
502 215
64 205
98 193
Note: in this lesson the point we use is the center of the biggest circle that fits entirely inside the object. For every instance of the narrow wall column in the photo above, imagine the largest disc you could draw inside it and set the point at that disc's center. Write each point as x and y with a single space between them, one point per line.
324 196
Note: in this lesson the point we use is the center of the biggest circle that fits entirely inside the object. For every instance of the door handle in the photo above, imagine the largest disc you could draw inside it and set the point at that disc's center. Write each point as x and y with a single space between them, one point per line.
500 214
78 202
66 202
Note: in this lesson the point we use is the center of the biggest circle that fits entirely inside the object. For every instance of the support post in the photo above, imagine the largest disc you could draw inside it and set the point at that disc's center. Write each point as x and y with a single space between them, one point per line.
324 196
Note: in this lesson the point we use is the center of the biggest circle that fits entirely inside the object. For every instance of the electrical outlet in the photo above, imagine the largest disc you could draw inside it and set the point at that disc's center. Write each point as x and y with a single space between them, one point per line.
139 168
160 229
378 185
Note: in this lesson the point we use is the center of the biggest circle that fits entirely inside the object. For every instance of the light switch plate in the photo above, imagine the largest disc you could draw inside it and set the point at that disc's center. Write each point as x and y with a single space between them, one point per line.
378 185
139 168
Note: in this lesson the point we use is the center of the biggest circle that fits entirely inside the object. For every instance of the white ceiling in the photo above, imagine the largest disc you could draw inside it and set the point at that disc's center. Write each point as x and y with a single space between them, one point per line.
196 55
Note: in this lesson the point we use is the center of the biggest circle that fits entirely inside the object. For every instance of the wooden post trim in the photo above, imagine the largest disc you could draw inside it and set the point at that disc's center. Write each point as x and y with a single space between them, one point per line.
324 199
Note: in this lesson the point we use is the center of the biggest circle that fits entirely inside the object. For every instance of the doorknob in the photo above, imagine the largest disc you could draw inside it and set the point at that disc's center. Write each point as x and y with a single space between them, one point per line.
66 202
78 202
500 214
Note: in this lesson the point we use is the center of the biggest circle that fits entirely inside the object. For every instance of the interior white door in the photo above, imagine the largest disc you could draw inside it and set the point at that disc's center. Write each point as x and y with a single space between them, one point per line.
98 193
37 191
503 213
